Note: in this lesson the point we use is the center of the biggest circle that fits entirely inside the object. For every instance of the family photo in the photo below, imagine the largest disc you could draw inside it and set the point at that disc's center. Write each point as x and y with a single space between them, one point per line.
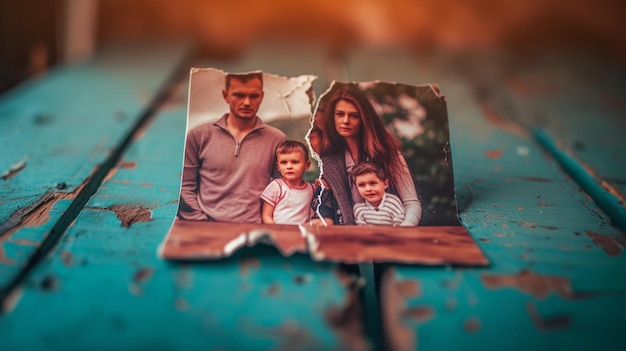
263 158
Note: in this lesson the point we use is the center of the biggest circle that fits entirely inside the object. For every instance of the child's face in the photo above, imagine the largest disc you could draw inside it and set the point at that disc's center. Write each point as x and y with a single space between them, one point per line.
292 165
371 188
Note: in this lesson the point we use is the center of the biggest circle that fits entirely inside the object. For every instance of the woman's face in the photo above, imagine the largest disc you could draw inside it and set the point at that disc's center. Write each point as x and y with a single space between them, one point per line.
347 119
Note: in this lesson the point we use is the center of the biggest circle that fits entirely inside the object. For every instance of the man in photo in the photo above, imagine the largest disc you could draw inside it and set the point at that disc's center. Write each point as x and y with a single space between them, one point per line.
229 162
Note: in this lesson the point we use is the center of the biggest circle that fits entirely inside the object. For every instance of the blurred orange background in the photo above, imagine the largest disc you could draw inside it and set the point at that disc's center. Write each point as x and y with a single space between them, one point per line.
37 33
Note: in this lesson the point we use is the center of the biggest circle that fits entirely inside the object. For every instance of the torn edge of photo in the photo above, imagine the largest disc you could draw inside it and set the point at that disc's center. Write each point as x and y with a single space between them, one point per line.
382 188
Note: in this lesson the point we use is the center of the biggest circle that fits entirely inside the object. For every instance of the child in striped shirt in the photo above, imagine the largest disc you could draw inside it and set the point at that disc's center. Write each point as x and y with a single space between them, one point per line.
379 207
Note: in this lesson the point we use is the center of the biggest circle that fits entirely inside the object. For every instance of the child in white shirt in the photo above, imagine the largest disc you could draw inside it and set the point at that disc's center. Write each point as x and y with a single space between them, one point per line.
287 200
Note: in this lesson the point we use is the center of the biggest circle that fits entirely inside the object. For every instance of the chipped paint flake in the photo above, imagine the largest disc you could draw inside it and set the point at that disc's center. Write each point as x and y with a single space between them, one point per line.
539 286
613 245
548 323
472 325
494 154
129 215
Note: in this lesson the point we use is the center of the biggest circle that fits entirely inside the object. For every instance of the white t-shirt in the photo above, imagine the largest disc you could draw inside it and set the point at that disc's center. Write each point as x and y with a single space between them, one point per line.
291 205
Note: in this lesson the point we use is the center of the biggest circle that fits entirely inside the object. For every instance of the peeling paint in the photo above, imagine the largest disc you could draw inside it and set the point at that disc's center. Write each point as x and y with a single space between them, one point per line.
613 245
129 215
409 288
472 325
553 322
346 321
67 258
142 275
181 304
33 215
273 290
128 165
419 313
539 286
248 263
494 154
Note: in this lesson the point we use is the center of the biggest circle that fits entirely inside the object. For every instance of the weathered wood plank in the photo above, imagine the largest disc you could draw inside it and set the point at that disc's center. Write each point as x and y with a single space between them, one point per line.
58 131
575 107
555 256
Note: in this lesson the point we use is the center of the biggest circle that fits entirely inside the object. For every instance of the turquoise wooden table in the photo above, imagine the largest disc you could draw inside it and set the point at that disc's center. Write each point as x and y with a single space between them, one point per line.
90 157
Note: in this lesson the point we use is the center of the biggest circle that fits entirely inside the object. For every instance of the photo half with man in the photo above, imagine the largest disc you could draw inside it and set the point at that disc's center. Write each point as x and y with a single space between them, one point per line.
363 174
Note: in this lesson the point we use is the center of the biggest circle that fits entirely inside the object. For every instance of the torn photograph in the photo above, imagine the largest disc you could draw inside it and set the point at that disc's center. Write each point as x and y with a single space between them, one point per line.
366 177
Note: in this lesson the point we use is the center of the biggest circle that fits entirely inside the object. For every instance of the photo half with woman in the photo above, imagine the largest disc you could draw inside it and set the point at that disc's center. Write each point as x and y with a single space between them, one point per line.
403 130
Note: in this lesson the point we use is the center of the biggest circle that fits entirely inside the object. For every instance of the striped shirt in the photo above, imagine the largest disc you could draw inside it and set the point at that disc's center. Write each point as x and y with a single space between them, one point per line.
389 212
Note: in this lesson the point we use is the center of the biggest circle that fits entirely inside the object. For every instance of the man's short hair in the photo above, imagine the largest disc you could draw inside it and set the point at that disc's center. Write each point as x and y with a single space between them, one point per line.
243 77
289 146
366 168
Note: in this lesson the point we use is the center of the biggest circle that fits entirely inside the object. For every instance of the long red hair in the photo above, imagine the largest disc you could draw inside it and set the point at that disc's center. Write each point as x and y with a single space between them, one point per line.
376 143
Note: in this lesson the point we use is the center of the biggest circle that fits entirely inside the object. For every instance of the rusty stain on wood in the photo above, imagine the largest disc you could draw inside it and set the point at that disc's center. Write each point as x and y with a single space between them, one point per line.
128 165
494 154
346 320
418 313
472 325
545 204
131 214
539 286
409 288
248 263
554 322
498 121
181 304
393 296
139 278
67 258
273 290
142 275
613 245
33 215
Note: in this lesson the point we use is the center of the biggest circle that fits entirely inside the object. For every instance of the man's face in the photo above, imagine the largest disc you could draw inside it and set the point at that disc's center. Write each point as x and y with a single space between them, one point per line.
292 165
244 99
371 188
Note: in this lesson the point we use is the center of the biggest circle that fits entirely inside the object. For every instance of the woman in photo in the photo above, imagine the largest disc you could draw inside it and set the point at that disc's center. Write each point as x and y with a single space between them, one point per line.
352 133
